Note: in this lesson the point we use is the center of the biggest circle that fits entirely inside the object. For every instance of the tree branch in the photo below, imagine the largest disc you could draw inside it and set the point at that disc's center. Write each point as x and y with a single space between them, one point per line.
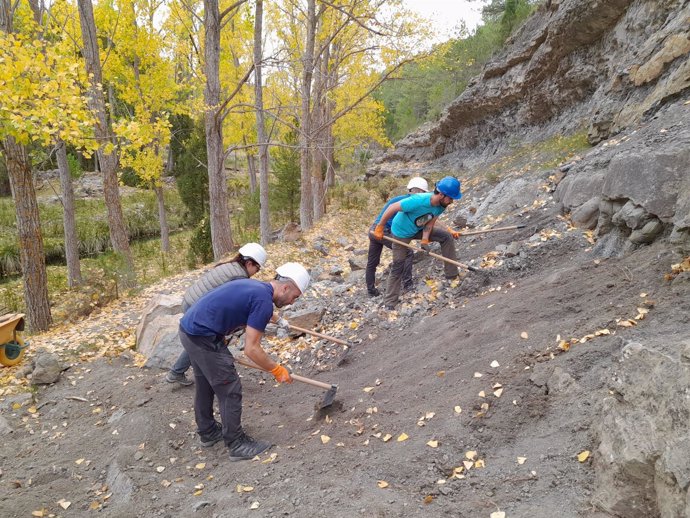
220 116
229 9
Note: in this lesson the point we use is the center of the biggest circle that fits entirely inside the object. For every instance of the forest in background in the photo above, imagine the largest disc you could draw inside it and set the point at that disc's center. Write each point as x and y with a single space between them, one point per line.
262 111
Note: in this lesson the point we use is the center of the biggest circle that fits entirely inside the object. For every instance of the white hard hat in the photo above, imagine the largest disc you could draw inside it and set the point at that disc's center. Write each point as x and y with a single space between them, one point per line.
255 252
419 183
296 273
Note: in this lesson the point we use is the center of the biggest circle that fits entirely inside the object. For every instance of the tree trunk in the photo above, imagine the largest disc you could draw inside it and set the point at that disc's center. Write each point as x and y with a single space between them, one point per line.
264 214
306 208
163 219
106 159
30 240
251 165
68 219
221 236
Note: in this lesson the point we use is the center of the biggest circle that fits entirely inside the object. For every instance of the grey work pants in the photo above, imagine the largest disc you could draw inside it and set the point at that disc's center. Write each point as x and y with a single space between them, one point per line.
214 374
401 253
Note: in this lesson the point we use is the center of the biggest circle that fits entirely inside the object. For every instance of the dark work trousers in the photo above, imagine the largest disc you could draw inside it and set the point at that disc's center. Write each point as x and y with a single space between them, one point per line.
401 253
214 374
374 258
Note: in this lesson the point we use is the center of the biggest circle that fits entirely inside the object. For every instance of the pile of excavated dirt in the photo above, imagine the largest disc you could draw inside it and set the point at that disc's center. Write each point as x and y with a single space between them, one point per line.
479 404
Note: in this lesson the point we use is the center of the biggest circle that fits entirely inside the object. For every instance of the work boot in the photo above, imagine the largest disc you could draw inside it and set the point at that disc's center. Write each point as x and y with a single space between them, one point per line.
245 448
209 439
408 286
374 292
174 377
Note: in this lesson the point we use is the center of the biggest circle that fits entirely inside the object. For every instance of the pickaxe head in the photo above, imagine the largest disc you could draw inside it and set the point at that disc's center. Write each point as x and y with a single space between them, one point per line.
329 397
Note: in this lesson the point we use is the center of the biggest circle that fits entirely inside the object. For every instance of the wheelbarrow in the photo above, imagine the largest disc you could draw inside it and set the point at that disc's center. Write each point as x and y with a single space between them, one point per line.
11 345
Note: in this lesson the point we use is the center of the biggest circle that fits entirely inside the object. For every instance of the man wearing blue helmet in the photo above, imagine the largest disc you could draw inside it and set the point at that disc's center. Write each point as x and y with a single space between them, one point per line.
414 218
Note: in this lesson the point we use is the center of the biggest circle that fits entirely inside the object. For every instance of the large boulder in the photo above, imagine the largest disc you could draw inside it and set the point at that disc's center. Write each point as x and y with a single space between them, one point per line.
47 368
577 189
643 461
157 337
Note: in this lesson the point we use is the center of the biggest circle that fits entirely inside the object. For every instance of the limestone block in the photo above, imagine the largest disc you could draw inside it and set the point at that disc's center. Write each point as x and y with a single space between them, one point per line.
587 214
648 233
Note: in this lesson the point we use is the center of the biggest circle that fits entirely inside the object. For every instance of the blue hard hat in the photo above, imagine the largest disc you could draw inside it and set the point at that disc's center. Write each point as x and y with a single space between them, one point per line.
450 186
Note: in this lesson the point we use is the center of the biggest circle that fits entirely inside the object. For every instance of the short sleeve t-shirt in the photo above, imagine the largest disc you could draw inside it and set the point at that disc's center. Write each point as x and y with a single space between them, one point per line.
388 204
415 212
236 304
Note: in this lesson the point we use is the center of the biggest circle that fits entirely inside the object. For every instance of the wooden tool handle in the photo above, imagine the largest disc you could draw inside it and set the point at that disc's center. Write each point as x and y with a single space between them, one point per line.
248 363
319 335
451 261
500 229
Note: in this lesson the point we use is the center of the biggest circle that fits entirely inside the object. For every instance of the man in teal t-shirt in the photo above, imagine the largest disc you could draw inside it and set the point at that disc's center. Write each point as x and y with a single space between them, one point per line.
414 218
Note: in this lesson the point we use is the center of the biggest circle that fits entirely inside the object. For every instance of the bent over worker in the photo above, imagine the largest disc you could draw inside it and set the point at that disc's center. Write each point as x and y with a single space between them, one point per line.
414 186
241 303
249 260
415 218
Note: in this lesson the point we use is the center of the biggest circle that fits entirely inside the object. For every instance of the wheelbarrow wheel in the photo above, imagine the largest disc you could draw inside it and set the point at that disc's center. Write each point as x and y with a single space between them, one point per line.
12 352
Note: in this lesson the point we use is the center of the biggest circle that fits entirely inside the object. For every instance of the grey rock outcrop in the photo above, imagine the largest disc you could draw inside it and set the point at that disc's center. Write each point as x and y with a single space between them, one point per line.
643 460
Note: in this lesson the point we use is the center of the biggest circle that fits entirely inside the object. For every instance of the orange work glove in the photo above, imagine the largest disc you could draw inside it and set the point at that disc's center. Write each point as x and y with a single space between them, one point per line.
378 232
454 233
426 242
281 374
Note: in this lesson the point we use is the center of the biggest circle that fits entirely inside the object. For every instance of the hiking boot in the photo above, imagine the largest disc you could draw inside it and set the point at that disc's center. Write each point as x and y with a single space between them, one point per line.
174 377
246 448
408 286
209 439
389 307
374 292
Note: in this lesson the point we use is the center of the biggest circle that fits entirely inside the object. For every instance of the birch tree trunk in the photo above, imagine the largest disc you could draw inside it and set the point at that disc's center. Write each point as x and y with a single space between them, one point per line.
106 159
264 213
31 253
221 236
306 200
68 219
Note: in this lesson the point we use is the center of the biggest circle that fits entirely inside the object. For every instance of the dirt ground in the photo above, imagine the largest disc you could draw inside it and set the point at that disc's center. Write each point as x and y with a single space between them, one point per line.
493 411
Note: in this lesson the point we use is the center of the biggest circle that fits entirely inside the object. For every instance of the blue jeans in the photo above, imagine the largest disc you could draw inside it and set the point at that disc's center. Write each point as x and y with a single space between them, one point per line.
182 364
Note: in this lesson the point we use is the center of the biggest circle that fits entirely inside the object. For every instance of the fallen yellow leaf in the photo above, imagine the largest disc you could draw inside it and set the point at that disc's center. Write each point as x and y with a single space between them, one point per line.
428 499
524 335
255 505
432 444
479 463
244 489
201 465
471 455
40 512
64 503
368 389
457 409
494 364
521 460
498 392
382 484
498 514
583 456
325 439
403 437
387 437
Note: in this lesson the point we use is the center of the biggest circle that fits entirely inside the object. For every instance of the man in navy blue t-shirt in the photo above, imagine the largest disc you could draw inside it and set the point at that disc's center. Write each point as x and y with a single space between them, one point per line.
242 303
414 186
